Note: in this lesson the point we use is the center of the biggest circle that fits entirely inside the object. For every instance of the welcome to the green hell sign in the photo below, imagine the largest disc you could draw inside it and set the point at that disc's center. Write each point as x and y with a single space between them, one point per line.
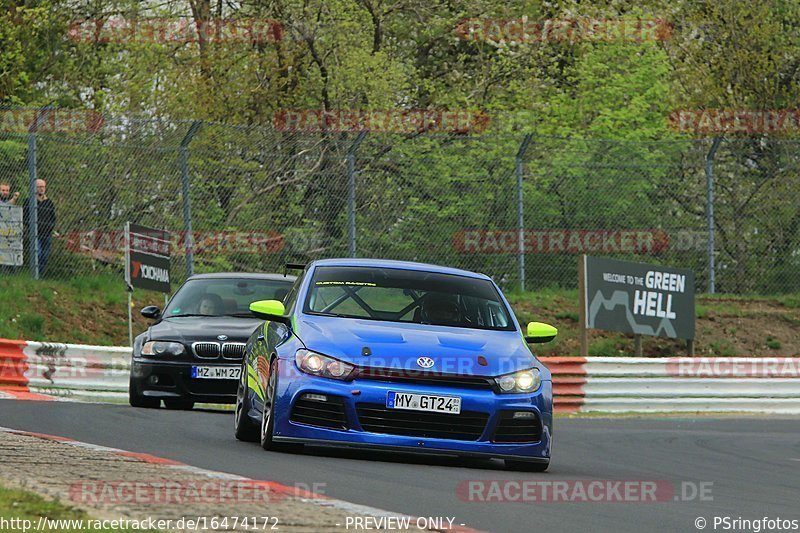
639 298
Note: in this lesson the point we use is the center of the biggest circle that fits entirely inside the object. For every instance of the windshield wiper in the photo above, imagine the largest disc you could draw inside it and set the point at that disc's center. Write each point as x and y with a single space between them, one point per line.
337 315
241 315
187 314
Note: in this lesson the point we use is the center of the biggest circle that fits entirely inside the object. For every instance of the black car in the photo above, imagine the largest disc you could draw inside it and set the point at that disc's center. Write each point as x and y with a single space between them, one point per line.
193 352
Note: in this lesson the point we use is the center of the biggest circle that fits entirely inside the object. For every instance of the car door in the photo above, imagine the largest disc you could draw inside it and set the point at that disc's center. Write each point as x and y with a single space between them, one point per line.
264 343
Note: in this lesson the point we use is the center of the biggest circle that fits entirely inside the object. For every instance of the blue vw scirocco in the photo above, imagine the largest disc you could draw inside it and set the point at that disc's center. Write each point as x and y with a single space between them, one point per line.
397 356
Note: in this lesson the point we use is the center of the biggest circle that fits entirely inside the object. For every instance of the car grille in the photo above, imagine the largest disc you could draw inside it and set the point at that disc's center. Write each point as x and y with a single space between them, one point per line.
233 350
512 430
207 350
376 418
424 378
327 414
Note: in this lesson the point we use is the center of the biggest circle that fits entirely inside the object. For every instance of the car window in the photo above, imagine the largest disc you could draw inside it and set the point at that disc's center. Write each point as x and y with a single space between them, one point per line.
291 298
407 296
224 296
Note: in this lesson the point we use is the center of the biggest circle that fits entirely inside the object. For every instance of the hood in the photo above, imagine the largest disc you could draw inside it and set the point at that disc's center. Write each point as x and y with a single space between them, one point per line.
399 346
193 329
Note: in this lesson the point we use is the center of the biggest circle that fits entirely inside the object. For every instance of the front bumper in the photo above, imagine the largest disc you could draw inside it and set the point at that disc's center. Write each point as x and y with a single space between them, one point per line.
173 379
362 392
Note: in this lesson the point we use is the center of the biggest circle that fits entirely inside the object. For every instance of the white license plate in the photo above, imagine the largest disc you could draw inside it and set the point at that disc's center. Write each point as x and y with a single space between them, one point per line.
423 402
216 372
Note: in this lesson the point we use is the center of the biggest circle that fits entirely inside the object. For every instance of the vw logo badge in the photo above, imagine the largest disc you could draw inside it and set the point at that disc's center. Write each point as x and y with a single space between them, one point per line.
222 337
425 362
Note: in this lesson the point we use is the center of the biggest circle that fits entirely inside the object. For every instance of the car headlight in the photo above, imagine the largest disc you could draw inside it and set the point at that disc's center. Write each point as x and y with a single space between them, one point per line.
322 365
157 348
522 381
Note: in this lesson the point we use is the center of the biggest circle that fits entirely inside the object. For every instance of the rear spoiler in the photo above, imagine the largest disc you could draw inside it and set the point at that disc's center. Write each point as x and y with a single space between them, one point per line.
293 266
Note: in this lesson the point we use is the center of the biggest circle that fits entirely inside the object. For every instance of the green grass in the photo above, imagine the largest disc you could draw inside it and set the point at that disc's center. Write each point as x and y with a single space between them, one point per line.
88 309
21 505
723 348
773 343
606 346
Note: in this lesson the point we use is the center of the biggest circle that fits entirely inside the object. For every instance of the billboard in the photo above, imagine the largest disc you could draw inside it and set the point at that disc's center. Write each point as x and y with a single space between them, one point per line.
638 298
11 235
147 258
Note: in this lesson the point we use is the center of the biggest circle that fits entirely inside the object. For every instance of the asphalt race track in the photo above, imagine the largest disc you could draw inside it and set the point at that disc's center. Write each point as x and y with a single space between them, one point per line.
753 463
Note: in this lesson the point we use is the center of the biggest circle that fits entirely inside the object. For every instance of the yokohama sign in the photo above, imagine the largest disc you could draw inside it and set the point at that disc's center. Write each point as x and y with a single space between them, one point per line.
147 258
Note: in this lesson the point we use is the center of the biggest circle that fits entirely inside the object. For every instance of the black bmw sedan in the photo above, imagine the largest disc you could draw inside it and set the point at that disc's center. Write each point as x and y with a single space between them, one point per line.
193 352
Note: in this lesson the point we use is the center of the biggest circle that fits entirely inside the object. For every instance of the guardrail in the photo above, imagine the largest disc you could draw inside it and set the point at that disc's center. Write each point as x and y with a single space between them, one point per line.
42 370
45 370
676 384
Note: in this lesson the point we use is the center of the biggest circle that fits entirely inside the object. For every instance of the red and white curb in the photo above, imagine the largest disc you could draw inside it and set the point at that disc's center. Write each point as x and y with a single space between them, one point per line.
278 488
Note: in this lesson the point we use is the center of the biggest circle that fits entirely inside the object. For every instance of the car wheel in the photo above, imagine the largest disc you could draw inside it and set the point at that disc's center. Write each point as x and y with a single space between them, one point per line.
267 420
243 428
526 466
268 415
178 404
138 400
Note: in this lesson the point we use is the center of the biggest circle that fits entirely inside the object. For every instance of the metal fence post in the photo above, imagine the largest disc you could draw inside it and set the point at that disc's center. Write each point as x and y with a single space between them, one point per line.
33 208
187 207
33 204
520 170
351 193
710 213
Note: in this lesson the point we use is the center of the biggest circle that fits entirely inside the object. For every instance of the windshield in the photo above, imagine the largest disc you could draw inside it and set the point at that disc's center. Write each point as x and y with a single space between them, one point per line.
407 296
224 297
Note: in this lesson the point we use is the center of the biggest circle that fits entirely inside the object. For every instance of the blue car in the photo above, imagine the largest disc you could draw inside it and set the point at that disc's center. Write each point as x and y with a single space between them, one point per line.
397 356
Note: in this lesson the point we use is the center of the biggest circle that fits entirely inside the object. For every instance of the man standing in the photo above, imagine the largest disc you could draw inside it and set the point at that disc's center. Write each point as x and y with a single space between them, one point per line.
6 198
46 223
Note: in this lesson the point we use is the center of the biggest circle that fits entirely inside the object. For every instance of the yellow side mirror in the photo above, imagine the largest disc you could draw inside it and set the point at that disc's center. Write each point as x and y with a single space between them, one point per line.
269 310
539 332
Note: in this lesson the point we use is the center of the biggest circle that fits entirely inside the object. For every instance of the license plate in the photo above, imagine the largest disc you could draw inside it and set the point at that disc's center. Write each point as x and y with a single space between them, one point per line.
216 372
423 402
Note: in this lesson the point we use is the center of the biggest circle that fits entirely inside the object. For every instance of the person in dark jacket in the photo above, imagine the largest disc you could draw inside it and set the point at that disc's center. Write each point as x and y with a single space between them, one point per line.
46 222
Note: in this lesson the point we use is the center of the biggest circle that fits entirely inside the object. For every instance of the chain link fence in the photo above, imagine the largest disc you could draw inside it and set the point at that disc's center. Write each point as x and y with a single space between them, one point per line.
520 208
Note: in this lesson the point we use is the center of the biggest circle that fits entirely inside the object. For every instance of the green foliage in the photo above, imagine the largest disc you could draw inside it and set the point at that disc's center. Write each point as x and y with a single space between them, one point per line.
773 343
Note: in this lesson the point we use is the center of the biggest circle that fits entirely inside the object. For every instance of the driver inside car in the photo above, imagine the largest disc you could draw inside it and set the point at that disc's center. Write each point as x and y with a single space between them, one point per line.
441 309
210 304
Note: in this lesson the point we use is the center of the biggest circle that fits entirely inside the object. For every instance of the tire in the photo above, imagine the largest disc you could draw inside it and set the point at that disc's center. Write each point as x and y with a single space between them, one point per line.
526 466
267 418
243 427
137 400
178 404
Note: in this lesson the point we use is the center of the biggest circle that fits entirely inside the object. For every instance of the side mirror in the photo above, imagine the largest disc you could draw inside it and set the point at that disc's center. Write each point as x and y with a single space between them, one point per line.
152 312
270 310
539 332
